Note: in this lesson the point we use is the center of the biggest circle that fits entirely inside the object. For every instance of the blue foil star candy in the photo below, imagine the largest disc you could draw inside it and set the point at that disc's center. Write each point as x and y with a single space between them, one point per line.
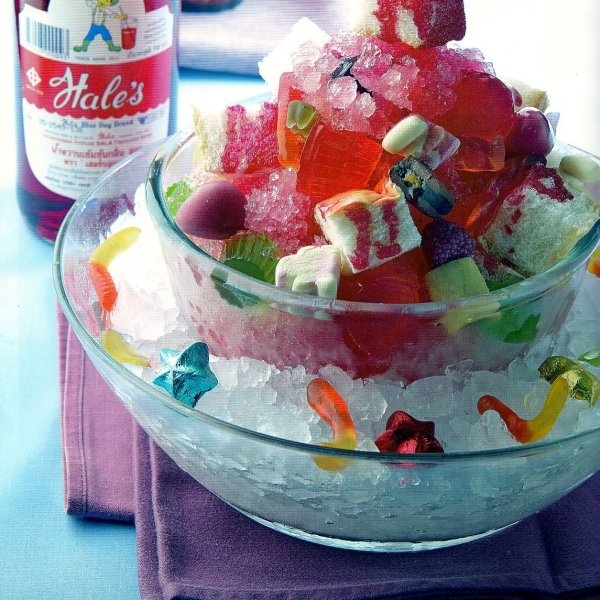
185 374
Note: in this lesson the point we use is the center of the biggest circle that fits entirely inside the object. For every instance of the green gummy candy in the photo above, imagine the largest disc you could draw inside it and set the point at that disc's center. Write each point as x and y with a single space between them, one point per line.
231 295
498 284
253 255
592 357
584 385
300 117
176 195
515 325
511 326
525 333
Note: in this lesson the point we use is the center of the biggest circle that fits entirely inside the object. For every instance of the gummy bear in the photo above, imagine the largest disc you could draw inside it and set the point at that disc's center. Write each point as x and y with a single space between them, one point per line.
289 144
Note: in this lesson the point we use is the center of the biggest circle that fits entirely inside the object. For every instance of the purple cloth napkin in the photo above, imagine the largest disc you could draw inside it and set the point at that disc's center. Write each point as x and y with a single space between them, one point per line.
96 437
192 546
235 40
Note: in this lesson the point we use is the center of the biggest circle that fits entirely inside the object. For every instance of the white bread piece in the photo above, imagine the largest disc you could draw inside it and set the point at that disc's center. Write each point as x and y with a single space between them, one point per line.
533 231
368 228
280 59
211 137
363 19
211 127
420 24
532 97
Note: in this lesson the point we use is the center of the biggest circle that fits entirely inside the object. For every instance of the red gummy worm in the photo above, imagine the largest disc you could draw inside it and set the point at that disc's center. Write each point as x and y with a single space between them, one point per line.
104 285
515 424
535 429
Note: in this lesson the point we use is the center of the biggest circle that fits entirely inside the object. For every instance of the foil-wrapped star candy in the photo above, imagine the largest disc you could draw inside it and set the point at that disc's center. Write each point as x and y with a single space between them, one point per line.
185 374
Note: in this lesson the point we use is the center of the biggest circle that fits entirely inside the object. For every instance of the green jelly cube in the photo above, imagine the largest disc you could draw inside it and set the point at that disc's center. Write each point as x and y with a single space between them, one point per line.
459 278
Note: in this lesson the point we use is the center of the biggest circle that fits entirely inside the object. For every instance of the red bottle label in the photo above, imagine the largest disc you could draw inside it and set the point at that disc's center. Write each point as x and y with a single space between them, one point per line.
95 84
82 91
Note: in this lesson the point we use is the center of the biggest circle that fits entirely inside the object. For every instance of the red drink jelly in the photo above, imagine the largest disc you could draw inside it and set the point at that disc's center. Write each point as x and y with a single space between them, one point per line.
336 161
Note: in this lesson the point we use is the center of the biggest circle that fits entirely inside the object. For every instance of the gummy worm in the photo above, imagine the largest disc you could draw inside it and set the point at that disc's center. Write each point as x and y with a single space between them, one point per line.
121 350
331 407
594 264
100 260
530 431
583 385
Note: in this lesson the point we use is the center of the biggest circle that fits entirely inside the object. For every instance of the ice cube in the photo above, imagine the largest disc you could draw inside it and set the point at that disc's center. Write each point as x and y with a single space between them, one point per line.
490 432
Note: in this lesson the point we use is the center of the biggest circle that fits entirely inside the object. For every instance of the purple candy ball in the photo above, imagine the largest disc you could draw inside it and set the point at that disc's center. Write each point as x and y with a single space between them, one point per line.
214 211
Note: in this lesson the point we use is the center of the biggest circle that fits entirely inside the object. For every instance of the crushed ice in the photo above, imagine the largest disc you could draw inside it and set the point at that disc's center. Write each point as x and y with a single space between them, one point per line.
257 396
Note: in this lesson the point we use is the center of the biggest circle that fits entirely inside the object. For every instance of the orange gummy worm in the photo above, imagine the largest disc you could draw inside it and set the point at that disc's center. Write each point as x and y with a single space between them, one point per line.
594 264
331 407
101 258
527 431
104 285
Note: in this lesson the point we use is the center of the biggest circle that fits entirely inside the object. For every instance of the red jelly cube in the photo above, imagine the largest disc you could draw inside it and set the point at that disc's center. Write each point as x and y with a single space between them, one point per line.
475 154
378 177
289 144
488 201
396 281
483 108
335 161
465 185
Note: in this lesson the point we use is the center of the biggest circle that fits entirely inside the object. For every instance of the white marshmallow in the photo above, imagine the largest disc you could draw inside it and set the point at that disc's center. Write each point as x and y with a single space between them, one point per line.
313 270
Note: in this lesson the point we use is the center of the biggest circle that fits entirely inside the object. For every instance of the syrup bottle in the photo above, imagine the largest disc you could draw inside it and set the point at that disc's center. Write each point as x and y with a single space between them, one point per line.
96 81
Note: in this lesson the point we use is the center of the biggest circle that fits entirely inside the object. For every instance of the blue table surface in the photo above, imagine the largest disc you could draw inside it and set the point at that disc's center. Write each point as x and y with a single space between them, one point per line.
45 554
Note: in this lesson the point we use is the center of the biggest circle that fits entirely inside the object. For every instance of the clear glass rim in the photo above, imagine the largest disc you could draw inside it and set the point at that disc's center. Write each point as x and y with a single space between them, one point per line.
508 297
96 351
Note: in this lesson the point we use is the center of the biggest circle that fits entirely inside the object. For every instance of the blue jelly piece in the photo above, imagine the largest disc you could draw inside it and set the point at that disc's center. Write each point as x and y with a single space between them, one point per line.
422 188
185 374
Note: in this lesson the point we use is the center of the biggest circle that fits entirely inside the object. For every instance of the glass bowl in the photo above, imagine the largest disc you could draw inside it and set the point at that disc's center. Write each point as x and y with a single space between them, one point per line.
237 315
379 501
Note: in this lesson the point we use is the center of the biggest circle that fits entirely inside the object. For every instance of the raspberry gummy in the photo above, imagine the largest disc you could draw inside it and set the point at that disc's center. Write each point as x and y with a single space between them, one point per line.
445 241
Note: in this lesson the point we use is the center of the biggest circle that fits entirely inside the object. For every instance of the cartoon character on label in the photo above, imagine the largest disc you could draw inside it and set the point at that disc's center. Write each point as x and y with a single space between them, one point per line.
101 9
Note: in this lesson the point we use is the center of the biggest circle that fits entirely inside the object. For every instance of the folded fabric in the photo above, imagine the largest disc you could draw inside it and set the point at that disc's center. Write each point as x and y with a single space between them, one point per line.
233 41
193 546
97 436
